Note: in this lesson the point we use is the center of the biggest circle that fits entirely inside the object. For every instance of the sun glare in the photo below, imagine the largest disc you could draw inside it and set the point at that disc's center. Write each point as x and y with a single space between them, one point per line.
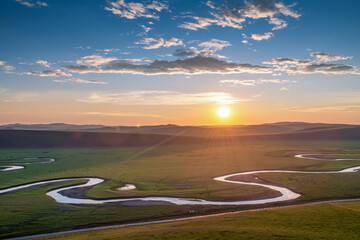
223 112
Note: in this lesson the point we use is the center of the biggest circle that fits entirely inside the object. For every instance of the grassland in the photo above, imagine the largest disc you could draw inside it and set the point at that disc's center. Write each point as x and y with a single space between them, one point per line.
175 170
323 221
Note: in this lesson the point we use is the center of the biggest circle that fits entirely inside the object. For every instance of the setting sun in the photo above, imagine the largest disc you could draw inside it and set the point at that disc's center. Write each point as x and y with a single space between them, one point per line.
223 112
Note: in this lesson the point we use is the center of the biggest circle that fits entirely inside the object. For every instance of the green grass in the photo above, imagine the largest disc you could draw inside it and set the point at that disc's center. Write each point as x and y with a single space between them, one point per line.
322 221
178 170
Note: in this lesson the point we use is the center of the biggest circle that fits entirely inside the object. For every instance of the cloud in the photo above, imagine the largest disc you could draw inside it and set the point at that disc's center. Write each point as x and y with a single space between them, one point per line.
146 30
43 63
280 24
155 43
160 98
298 66
117 114
95 60
7 67
49 73
234 14
209 49
327 57
260 37
253 82
323 68
284 61
201 23
184 52
43 4
78 80
132 10
343 108
214 44
31 4
193 65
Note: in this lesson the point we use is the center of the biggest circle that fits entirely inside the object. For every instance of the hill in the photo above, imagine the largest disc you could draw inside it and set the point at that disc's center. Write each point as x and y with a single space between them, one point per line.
52 139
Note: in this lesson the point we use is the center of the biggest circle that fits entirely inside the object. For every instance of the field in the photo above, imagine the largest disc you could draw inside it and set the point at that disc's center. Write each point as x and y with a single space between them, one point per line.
331 221
170 170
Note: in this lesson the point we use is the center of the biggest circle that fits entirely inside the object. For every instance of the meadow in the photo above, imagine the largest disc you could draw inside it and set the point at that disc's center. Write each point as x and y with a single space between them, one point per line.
183 170
331 221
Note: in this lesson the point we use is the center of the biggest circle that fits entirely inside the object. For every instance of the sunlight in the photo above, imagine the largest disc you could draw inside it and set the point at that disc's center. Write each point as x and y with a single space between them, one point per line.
223 112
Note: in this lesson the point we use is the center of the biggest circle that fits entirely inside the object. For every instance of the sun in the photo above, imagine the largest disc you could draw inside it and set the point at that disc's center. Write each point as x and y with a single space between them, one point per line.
223 112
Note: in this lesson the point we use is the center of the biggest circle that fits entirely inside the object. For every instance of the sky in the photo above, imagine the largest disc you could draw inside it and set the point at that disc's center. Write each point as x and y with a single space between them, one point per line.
127 62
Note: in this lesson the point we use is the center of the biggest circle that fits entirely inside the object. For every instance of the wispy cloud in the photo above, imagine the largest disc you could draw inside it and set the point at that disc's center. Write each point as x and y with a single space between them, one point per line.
234 14
161 98
214 44
307 66
343 108
79 80
8 68
323 68
49 73
327 57
284 61
43 63
253 82
279 23
260 37
122 114
31 4
205 49
154 43
95 60
193 65
132 10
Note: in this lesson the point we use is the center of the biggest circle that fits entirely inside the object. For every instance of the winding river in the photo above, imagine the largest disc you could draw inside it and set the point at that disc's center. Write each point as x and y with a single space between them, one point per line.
60 196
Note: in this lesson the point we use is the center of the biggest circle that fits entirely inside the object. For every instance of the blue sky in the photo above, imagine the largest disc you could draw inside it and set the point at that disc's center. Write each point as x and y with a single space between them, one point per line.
154 62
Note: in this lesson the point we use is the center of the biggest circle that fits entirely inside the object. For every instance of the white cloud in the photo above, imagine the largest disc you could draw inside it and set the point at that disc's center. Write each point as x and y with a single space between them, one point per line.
7 67
160 98
192 65
298 66
215 44
234 14
146 30
285 10
260 37
43 63
284 61
155 43
253 82
31 3
201 23
49 73
95 60
132 10
43 4
327 57
280 24
78 80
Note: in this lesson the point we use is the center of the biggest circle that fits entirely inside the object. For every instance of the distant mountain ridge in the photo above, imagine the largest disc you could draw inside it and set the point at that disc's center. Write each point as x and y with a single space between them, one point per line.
65 139
172 129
